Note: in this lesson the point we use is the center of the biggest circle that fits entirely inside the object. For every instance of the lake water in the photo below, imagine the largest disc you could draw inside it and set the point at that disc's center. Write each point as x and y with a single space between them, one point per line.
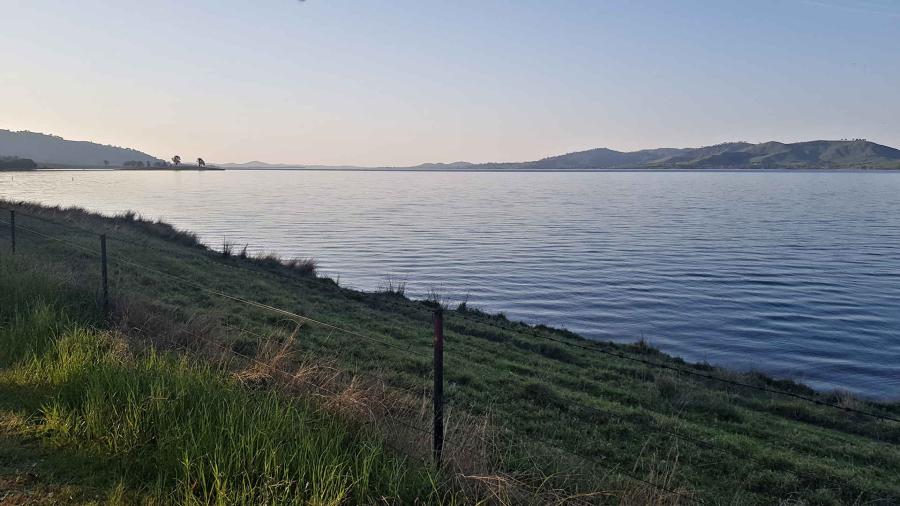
795 274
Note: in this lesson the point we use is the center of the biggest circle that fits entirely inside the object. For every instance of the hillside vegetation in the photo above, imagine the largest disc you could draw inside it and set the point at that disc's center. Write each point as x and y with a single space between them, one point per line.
853 154
535 415
50 149
15 163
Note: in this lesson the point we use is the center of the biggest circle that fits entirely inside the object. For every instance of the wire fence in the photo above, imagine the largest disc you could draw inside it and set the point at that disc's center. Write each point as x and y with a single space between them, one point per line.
427 310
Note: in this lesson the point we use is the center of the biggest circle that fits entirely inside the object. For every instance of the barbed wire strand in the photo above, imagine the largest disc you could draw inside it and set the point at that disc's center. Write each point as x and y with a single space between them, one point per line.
291 376
294 377
261 305
695 441
199 254
354 372
658 429
19 212
333 327
529 331
684 371
282 371
56 239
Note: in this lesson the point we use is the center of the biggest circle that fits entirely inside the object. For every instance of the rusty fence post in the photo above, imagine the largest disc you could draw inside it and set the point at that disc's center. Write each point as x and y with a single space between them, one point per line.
103 276
438 399
12 230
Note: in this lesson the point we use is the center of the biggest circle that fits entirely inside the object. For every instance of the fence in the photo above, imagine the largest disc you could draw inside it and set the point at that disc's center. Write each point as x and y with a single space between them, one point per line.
437 430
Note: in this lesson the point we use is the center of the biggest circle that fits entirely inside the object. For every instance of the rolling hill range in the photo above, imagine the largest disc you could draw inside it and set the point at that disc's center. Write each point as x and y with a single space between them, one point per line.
50 149
855 154
820 154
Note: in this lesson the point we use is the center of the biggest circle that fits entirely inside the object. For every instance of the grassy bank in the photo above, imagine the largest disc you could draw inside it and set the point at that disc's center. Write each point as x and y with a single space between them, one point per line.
172 429
533 412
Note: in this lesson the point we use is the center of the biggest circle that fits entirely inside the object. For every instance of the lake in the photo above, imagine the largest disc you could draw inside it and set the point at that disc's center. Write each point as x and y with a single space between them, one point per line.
796 274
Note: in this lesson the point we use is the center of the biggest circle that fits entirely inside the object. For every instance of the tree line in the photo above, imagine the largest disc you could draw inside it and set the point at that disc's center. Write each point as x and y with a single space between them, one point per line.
176 162
16 163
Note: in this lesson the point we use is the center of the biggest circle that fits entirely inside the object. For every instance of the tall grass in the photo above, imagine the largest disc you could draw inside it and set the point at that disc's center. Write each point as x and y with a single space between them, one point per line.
24 282
392 286
302 266
183 431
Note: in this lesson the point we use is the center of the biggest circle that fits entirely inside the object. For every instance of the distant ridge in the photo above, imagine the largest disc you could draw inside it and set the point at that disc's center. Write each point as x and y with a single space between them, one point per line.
256 164
444 166
50 149
819 154
843 154
822 154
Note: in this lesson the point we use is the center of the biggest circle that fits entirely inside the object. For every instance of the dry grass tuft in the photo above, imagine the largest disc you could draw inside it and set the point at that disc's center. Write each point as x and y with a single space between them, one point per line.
82 218
660 488
473 446
302 266
845 400
507 489
392 286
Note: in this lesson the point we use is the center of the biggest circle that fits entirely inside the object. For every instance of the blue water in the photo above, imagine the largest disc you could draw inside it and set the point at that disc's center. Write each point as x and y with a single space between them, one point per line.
794 274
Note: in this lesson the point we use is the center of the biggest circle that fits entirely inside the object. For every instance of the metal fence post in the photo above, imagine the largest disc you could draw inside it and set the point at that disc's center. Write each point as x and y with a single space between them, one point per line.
12 230
438 399
105 279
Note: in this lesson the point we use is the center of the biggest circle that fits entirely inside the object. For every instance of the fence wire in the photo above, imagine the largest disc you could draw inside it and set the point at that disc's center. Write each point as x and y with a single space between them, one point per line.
424 307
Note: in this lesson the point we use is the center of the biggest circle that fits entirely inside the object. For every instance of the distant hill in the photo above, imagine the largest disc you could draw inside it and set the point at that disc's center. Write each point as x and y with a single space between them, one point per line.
50 149
844 154
444 166
853 154
15 163
256 164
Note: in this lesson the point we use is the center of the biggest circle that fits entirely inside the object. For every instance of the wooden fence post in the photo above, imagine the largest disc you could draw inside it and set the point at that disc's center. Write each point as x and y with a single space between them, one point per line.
103 275
438 399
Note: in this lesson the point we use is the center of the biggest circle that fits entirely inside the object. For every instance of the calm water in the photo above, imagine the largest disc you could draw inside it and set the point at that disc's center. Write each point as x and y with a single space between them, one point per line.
795 274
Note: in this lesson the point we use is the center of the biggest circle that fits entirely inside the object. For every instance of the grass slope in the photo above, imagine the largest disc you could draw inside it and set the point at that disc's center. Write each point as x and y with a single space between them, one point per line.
172 429
557 417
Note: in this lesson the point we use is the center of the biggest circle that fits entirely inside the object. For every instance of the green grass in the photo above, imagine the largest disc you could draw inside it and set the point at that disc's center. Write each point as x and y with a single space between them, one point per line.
555 417
179 431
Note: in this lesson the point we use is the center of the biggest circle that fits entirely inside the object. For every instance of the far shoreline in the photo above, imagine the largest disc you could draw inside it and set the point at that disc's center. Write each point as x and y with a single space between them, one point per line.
446 171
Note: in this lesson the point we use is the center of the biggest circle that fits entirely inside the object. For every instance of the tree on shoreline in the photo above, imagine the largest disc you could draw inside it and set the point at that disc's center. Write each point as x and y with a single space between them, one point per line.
176 160
200 162
16 163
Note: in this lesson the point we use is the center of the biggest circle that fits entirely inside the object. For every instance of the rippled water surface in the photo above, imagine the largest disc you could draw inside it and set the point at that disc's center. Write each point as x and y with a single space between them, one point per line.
795 274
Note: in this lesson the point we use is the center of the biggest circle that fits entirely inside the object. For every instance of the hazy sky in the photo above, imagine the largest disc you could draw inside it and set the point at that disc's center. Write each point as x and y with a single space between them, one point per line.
407 81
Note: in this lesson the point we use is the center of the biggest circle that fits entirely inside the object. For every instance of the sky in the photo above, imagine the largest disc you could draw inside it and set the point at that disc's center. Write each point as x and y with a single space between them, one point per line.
402 82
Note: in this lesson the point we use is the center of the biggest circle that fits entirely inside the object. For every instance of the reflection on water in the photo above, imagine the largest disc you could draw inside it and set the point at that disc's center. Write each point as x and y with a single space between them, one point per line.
796 274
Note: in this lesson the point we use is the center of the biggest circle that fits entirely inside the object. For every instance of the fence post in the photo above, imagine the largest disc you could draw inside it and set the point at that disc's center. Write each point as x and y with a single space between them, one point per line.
103 275
12 230
438 399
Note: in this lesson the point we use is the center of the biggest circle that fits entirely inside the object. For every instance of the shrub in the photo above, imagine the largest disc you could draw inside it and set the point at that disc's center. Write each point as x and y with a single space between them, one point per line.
16 163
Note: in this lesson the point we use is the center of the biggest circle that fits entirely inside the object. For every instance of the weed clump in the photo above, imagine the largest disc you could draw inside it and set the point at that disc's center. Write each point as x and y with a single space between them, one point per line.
302 266
392 286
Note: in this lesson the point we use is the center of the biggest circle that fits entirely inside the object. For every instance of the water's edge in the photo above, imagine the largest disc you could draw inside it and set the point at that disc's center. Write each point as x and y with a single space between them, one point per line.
792 274
792 384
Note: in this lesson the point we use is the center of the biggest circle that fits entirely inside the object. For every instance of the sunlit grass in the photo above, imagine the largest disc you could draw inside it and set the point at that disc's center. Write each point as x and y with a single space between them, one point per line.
184 432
